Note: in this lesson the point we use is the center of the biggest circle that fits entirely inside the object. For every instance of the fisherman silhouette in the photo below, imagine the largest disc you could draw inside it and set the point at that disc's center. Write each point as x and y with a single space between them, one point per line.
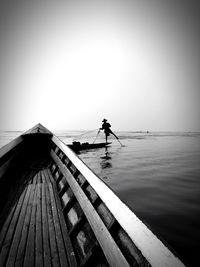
106 127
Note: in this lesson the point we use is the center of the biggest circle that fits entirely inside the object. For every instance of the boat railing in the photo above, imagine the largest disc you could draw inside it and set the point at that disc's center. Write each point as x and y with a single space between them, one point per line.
123 238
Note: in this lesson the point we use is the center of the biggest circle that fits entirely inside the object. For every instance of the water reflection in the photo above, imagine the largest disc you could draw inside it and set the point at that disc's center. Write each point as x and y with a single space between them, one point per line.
106 160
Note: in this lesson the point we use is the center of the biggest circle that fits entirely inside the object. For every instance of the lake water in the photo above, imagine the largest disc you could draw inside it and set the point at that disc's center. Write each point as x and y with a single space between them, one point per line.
157 175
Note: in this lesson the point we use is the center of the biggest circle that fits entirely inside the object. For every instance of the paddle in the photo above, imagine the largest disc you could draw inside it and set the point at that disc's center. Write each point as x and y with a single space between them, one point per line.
96 136
117 139
120 143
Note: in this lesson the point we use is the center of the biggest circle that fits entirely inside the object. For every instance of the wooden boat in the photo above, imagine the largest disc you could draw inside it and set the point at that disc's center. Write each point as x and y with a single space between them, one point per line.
54 211
77 146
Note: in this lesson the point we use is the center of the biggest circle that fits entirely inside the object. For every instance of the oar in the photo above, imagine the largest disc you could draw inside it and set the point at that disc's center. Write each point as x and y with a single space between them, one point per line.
118 139
96 136
120 142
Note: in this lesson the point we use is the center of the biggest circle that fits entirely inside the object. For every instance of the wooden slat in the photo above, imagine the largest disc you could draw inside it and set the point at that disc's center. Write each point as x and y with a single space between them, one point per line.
43 177
45 230
9 235
24 235
38 178
38 238
50 176
30 246
18 231
6 225
68 245
48 180
59 239
60 217
38 181
34 180
52 239
14 195
112 252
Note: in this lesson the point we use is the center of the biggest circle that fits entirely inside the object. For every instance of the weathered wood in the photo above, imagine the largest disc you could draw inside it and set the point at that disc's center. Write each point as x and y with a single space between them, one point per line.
67 242
10 231
45 230
59 239
52 238
48 173
30 246
34 179
18 231
110 249
38 238
43 178
24 235
63 190
39 178
6 225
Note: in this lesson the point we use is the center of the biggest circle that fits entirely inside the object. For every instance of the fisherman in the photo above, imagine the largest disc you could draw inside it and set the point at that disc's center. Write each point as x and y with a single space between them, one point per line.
106 127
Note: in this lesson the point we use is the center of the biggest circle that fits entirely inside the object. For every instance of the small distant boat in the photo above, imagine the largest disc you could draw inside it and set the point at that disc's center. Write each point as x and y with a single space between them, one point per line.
54 211
77 146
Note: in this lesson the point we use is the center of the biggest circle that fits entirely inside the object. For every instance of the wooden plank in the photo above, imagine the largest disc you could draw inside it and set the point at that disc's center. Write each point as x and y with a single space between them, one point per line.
34 180
48 180
43 177
67 242
6 225
52 238
59 239
11 229
13 196
24 236
38 239
30 246
50 176
18 230
38 178
45 230
112 252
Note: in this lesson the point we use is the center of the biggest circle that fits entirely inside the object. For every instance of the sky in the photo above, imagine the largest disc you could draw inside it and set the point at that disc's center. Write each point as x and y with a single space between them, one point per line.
69 64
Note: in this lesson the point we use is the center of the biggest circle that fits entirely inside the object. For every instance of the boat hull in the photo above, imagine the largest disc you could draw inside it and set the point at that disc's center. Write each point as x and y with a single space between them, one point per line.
56 211
77 146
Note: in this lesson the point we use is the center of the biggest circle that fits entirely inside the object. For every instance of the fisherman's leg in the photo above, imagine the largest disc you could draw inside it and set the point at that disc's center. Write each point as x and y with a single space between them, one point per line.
106 138
114 135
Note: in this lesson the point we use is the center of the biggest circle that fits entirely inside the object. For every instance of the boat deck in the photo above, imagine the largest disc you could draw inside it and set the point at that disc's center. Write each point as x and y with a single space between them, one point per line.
34 229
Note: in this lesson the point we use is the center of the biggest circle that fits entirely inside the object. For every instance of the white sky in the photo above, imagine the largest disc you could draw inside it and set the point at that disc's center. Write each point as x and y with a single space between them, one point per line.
69 64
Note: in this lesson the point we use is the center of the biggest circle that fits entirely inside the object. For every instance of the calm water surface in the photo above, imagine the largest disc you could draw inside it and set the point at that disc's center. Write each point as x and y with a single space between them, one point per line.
157 175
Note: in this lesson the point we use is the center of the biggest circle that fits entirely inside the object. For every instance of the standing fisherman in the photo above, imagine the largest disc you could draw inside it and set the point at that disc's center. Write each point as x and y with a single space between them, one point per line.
106 127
